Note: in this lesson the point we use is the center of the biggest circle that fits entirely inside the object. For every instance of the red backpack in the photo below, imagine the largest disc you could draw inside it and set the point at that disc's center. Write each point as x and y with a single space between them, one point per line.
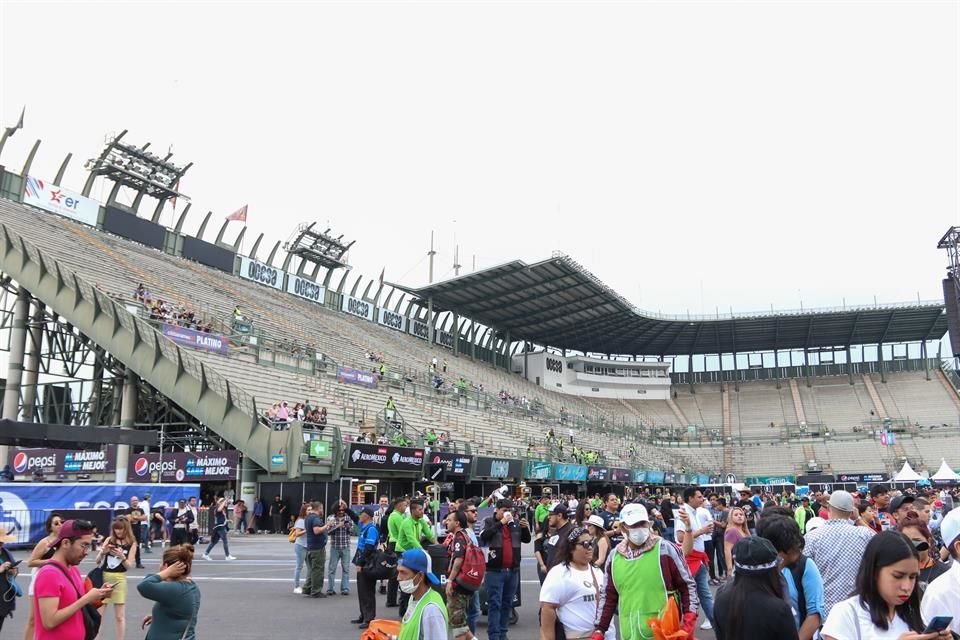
474 565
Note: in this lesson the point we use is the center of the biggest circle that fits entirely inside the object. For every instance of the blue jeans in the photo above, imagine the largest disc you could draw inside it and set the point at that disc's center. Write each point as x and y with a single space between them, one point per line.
473 612
219 533
703 591
301 551
501 588
341 557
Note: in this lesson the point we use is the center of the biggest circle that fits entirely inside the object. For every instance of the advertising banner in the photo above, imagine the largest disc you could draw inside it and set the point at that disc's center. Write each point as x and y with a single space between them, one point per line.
182 466
261 273
63 202
306 289
357 307
196 339
539 469
393 320
569 472
598 474
443 338
640 475
859 477
54 461
457 464
384 458
24 506
767 480
656 477
419 329
620 475
355 376
498 468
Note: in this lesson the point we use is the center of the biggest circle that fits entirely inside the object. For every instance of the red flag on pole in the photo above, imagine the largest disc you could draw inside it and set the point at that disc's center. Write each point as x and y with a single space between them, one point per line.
240 214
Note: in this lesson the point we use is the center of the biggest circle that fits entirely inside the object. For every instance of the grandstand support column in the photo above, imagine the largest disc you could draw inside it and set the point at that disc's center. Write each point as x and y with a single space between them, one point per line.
430 321
880 363
926 362
31 365
806 365
248 480
128 416
849 366
18 339
456 335
506 351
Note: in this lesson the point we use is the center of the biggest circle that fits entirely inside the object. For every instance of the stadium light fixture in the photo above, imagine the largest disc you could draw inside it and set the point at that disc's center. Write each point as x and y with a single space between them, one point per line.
319 247
139 169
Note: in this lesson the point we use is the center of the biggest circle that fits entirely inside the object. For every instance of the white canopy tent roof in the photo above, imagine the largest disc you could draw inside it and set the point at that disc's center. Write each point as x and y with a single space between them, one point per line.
907 474
945 472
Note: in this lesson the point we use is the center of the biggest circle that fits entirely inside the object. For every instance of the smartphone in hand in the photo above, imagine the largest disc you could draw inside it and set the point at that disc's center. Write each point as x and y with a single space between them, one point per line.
938 624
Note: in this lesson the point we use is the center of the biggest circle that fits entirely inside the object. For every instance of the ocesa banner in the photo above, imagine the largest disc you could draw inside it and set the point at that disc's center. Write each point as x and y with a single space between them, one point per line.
357 307
306 289
61 201
262 273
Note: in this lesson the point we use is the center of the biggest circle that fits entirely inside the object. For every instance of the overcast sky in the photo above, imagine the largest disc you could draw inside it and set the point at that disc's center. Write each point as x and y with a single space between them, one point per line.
693 155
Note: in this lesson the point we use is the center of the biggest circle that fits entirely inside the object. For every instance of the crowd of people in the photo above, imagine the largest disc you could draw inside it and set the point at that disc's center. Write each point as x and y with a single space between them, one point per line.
166 312
279 415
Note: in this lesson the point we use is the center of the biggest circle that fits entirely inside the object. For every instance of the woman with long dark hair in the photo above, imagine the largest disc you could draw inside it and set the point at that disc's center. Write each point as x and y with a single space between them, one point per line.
919 533
752 607
886 605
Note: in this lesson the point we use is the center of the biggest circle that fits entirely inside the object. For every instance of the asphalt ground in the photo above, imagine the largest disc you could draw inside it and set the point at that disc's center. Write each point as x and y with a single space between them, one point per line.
252 597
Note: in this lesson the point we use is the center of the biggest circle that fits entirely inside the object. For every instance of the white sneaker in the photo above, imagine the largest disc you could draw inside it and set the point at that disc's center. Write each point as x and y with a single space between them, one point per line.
706 626
229 558
298 591
206 557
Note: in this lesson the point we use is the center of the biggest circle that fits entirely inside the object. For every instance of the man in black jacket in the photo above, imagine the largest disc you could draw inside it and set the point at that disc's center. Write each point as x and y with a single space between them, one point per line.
502 534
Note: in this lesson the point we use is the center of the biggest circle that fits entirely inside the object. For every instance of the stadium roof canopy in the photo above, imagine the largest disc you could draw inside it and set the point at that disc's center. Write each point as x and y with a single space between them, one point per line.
560 304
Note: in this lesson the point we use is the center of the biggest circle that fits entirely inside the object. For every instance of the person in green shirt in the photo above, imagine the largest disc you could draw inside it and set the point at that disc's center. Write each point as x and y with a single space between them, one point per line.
394 520
413 530
542 511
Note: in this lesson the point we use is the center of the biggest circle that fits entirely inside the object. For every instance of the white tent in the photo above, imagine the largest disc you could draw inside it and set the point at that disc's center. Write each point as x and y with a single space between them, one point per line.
907 474
945 473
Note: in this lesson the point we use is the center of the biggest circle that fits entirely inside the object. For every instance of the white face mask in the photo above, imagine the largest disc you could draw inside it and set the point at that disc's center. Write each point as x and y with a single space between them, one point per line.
408 586
638 536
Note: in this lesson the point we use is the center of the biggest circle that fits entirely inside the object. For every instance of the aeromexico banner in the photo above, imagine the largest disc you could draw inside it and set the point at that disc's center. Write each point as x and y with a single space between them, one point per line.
262 273
61 201
54 461
306 289
196 339
357 307
183 466
24 506
355 376
392 319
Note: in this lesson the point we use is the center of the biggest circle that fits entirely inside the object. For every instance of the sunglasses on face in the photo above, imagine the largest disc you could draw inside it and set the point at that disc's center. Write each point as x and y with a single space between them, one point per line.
588 545
921 545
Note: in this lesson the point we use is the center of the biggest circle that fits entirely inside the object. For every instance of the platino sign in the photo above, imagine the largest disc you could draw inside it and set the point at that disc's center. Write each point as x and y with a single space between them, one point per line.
54 199
306 289
262 273
357 307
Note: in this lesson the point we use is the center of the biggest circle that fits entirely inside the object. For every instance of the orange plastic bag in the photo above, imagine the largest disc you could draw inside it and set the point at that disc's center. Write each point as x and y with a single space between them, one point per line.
381 630
667 626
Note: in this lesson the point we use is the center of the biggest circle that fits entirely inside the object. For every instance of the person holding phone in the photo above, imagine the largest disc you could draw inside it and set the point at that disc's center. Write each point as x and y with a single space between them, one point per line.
886 601
941 598
117 555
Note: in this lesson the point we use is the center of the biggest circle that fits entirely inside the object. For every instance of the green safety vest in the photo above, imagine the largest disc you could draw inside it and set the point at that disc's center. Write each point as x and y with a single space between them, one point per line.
643 593
411 622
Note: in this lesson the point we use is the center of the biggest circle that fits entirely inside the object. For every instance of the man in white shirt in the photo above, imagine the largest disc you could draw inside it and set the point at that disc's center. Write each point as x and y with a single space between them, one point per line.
702 525
145 524
941 597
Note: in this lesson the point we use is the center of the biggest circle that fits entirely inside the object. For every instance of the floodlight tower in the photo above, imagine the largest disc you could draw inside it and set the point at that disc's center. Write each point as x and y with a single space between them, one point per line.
318 247
951 287
135 167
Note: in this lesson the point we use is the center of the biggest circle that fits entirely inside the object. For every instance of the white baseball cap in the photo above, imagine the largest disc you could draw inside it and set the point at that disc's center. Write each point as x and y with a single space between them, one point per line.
634 514
950 527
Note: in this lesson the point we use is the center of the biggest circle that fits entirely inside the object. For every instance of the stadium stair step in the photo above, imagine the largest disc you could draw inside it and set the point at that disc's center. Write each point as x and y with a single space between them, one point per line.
951 390
874 396
797 402
677 412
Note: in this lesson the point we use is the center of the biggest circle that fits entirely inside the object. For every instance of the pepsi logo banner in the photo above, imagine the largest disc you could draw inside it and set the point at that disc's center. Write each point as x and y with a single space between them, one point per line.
261 273
61 201
384 458
197 339
183 466
306 289
357 307
57 461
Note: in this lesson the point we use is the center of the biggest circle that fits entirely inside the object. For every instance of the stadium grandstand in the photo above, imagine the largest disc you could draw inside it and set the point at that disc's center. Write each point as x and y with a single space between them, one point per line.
269 354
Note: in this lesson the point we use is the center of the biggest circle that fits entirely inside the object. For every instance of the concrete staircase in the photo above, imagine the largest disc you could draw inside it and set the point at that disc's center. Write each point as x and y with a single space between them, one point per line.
874 396
797 401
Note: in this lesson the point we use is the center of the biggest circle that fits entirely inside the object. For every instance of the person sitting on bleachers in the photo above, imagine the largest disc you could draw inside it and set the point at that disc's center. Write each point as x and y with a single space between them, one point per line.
322 417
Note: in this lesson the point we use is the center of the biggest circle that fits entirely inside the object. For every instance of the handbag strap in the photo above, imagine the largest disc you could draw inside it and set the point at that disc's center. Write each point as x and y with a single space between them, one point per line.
193 619
596 588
